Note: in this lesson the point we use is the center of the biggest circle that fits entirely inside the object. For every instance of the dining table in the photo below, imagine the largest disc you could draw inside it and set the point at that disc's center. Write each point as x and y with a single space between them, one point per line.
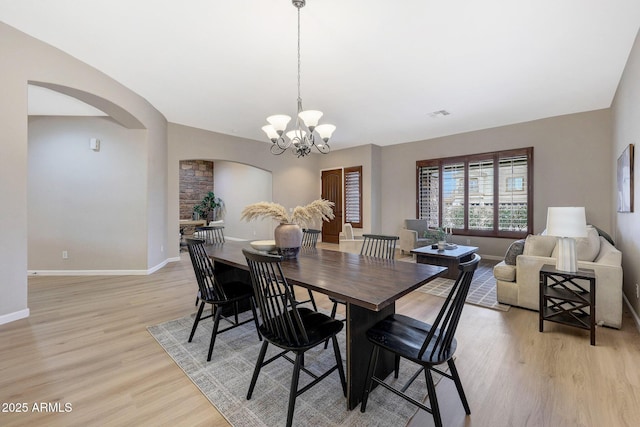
369 286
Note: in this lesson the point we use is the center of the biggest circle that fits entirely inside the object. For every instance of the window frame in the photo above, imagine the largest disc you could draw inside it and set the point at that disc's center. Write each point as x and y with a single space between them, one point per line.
346 171
495 157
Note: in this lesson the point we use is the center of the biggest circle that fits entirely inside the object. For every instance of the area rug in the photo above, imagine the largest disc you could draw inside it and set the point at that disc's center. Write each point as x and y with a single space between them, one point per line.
481 293
225 380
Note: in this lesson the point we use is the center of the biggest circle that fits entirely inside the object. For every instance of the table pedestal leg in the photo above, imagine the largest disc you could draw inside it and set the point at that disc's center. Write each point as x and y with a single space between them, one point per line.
359 320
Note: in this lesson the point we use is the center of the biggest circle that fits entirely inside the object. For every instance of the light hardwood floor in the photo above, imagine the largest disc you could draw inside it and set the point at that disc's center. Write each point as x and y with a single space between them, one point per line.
86 344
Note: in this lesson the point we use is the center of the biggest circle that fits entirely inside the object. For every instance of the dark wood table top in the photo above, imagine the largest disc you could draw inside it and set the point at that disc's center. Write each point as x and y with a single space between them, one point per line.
459 252
367 282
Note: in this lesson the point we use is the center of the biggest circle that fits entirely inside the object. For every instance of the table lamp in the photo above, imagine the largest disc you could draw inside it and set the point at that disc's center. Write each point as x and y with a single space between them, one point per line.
566 223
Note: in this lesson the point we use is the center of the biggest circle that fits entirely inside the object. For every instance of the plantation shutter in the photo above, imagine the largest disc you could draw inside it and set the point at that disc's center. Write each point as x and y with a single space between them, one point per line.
428 194
353 196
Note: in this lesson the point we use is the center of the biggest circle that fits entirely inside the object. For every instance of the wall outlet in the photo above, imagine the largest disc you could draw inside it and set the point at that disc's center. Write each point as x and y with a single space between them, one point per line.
637 291
65 255
468 241
161 248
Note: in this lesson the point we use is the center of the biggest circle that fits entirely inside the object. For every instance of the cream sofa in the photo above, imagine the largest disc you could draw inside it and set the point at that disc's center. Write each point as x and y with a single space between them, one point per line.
519 284
412 235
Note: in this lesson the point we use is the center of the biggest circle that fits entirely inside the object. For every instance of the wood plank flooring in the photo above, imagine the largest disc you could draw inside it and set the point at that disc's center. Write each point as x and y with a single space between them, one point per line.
86 344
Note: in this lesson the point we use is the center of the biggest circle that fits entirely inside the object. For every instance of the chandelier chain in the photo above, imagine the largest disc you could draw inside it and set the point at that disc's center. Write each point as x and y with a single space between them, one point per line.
299 62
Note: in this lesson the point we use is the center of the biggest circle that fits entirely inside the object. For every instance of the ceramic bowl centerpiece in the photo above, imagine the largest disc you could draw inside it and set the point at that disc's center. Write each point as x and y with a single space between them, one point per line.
263 245
288 235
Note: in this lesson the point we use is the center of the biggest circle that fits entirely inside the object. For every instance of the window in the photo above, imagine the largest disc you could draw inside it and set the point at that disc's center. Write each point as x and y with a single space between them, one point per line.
488 194
353 196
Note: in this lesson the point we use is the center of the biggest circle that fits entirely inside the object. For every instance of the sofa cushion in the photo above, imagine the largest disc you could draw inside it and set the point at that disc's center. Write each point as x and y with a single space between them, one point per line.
515 249
537 245
587 248
504 272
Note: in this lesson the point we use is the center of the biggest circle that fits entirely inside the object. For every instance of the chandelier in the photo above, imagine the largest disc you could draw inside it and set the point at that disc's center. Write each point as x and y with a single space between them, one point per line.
306 133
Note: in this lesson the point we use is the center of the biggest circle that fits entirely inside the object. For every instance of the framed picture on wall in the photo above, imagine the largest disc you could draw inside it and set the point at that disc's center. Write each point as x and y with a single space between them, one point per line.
625 180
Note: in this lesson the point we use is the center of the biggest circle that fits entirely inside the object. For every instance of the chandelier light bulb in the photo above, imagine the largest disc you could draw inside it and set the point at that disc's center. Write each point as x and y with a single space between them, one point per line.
279 122
271 132
299 134
325 131
310 118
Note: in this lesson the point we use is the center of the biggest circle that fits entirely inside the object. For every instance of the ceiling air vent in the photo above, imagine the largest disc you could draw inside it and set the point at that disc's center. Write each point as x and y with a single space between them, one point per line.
439 113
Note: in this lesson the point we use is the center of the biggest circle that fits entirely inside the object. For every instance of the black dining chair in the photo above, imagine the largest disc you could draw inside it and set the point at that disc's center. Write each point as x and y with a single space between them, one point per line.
310 237
221 296
427 345
210 235
309 240
374 245
379 246
288 326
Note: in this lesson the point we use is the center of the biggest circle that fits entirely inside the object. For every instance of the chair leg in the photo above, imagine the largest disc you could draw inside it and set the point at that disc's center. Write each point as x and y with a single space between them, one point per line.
216 322
336 352
313 301
456 380
196 321
333 316
294 388
256 370
433 400
255 317
373 361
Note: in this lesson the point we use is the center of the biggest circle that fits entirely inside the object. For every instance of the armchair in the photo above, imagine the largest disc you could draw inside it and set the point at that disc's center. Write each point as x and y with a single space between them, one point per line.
412 235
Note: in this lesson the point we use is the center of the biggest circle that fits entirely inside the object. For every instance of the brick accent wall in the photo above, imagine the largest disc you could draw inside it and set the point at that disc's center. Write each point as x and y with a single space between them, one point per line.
196 180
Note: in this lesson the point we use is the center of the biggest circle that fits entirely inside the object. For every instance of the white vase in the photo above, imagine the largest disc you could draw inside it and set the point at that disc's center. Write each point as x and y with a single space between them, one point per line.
288 239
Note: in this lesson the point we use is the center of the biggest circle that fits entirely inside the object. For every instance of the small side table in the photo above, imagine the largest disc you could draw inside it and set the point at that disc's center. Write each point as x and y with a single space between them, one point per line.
568 298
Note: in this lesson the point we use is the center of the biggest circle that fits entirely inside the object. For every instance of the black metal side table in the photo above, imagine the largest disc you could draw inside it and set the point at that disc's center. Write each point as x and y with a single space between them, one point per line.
568 298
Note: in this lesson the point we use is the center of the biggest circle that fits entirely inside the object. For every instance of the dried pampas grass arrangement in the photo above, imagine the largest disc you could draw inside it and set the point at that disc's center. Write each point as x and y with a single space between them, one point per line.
304 216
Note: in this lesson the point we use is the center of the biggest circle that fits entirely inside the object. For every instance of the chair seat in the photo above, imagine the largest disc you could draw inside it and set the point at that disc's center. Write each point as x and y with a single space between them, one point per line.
319 327
404 336
234 291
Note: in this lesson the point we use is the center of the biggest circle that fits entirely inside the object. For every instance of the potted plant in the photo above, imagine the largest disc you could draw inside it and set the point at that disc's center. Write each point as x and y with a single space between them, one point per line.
439 235
288 235
209 204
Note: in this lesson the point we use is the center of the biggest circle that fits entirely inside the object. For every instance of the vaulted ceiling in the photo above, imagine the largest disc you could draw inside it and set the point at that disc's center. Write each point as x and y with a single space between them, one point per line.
378 69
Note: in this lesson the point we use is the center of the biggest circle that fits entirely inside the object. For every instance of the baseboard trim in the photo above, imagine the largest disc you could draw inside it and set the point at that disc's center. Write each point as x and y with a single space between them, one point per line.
102 272
636 318
12 317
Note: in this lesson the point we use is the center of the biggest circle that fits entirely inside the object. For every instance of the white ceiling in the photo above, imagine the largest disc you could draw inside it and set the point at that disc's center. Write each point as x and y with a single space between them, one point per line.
377 68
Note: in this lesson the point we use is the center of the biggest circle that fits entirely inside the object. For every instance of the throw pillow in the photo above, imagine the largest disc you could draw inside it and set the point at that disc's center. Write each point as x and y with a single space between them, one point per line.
515 249
539 245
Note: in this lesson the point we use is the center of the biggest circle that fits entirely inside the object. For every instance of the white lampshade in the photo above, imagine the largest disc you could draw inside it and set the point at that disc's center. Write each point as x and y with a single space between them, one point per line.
325 131
296 134
270 131
310 118
566 222
279 122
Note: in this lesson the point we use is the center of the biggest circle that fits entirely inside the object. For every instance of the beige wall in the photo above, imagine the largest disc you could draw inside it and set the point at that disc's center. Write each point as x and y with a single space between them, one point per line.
572 167
26 59
240 185
91 204
626 130
295 181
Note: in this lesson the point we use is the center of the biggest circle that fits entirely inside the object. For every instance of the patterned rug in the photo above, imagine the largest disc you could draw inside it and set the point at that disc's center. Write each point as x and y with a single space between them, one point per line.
482 291
225 380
